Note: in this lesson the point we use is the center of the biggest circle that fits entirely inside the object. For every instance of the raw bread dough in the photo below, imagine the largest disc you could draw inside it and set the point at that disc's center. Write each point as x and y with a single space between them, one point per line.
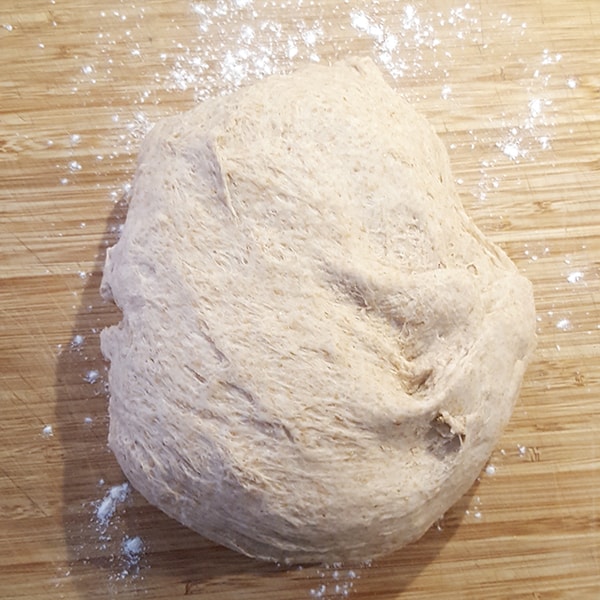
319 349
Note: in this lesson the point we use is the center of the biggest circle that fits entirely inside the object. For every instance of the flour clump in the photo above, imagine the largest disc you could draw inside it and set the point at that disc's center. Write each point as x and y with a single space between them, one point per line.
319 350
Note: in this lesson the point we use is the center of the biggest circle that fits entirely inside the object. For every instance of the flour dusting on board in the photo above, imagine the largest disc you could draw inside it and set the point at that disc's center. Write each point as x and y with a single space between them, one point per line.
216 47
106 508
126 552
334 581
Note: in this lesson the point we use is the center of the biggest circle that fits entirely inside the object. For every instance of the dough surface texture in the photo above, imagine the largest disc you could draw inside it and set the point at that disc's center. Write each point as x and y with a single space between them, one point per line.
319 350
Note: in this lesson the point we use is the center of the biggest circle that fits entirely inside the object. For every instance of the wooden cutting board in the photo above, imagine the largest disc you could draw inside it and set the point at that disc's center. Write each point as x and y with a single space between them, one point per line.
513 88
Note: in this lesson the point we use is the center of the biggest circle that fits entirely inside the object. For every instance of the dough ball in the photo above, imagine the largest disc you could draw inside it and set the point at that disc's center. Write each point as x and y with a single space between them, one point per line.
319 350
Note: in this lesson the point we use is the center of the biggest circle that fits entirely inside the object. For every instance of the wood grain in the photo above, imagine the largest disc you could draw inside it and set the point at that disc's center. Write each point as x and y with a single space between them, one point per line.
80 82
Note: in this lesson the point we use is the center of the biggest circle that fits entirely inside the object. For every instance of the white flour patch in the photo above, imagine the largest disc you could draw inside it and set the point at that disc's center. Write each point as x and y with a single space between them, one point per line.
575 277
132 548
124 553
511 149
535 108
544 142
365 24
105 509
74 166
564 325
91 376
130 556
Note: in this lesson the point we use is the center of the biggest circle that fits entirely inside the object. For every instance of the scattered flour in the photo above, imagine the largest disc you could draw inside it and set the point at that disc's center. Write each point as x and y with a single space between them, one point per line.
106 508
336 582
475 510
564 324
77 341
125 553
91 376
132 549
511 149
575 277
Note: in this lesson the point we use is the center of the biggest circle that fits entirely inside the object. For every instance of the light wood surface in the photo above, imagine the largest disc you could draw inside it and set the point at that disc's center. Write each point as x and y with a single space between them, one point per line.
512 86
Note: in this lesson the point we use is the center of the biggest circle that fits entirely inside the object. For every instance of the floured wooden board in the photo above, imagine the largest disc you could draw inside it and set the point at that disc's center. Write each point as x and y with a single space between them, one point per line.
513 90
